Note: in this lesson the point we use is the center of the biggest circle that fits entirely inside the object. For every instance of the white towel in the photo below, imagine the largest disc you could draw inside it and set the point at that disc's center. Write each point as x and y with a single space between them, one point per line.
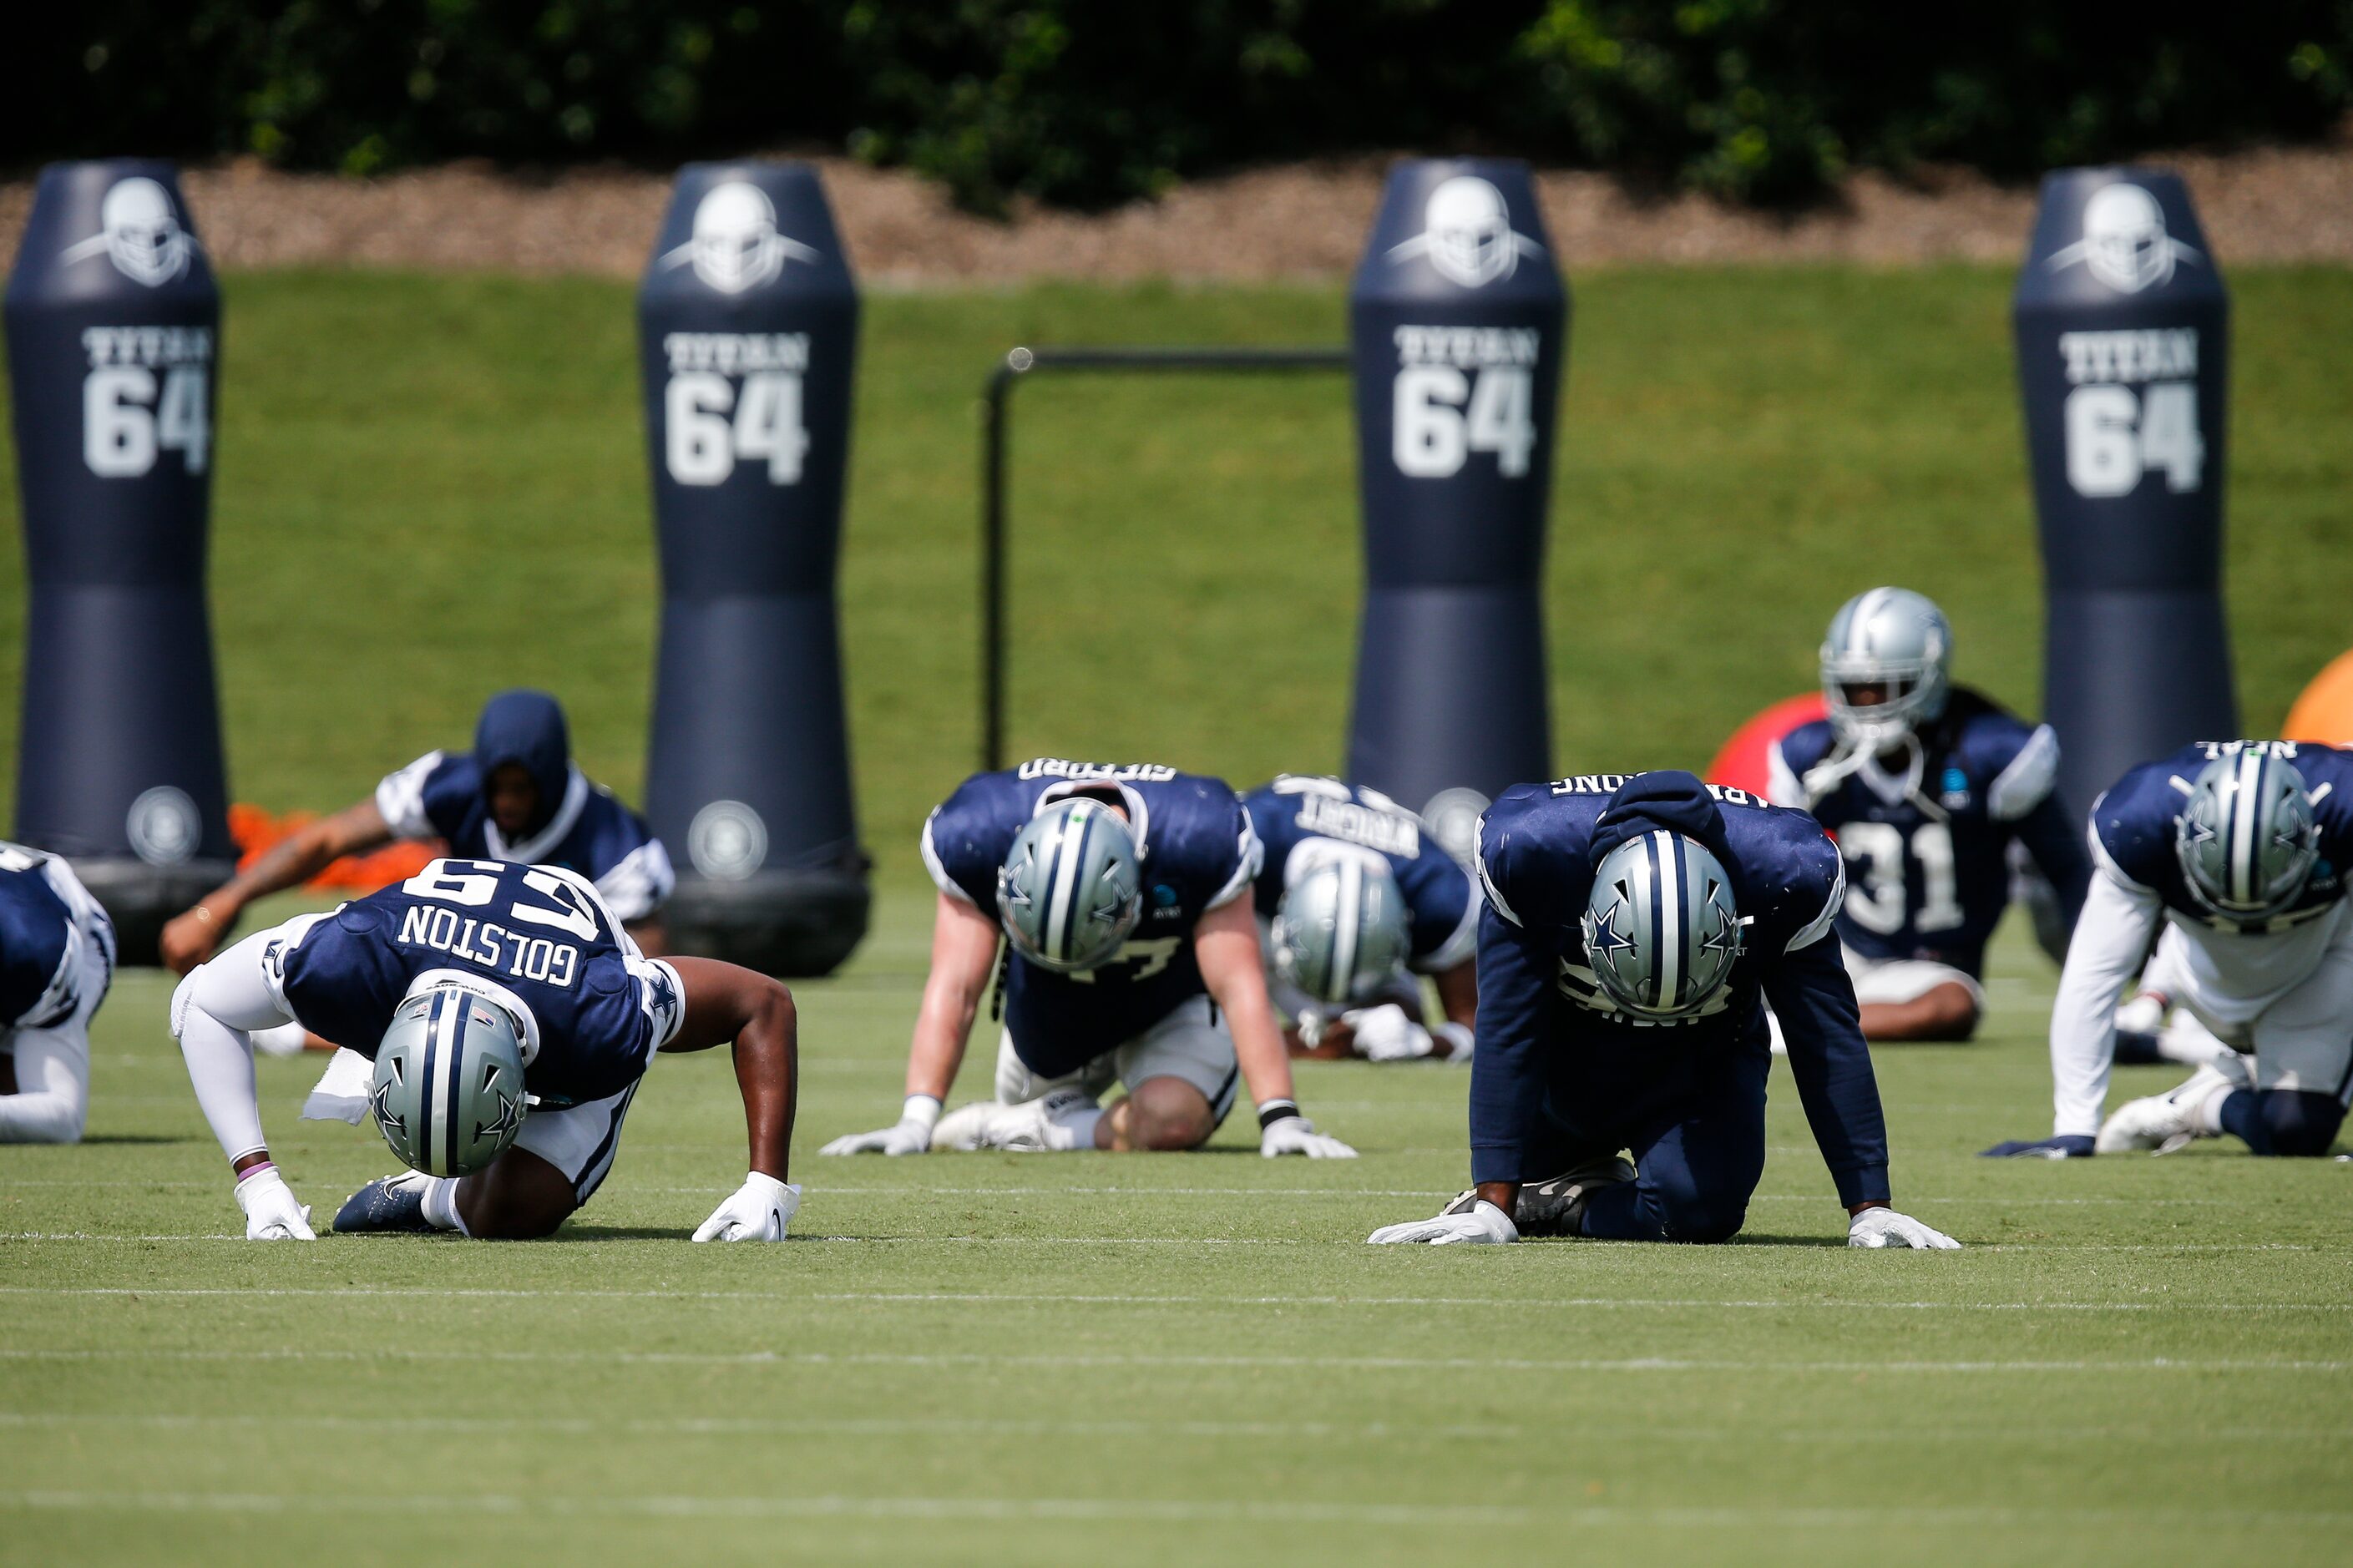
342 1091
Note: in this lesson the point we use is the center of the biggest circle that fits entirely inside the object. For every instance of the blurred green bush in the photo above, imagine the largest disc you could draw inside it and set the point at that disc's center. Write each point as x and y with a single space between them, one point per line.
1095 101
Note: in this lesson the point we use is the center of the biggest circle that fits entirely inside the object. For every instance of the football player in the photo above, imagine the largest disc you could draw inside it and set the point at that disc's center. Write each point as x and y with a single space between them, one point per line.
516 798
1130 955
1926 786
1357 901
2229 855
1634 928
463 977
56 958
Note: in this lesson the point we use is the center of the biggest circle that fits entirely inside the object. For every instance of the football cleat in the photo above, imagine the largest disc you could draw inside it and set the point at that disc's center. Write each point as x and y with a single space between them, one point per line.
2168 1122
388 1203
1024 1128
1556 1206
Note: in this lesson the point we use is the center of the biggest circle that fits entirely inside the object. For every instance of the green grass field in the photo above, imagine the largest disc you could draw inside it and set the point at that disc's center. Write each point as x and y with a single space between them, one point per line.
1179 1359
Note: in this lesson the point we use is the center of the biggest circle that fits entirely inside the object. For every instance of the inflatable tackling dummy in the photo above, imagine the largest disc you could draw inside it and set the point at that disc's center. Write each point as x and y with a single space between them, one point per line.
2124 339
1458 329
113 338
748 329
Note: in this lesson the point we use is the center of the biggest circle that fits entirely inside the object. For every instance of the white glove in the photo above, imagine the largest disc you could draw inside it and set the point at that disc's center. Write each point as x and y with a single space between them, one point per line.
1885 1227
271 1212
1384 1034
759 1211
1295 1134
1468 1218
912 1135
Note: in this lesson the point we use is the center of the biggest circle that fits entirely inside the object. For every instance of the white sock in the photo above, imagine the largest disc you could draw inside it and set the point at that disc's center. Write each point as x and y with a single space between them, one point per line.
441 1205
1074 1127
2208 1117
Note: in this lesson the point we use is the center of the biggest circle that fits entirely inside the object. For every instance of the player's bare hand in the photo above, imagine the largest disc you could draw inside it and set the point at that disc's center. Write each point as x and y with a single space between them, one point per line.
192 937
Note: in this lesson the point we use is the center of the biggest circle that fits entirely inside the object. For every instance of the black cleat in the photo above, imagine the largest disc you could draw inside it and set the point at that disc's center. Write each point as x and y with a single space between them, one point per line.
1557 1207
390 1204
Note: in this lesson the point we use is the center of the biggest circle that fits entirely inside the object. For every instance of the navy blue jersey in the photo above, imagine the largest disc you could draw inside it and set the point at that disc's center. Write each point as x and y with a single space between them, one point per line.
1198 852
41 930
591 833
1439 902
1927 855
537 940
1553 1048
2134 823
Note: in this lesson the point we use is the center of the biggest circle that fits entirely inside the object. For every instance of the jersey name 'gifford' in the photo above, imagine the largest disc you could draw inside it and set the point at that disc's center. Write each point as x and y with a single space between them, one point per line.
1198 852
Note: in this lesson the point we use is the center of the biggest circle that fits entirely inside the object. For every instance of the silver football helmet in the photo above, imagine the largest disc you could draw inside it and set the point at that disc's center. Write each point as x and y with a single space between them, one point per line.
1340 931
448 1091
2246 837
1071 886
1661 931
1885 667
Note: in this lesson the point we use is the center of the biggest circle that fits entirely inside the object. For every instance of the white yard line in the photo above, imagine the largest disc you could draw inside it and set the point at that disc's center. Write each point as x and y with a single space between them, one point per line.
428 1292
821 1188
1485 1515
893 1427
1351 1363
577 1238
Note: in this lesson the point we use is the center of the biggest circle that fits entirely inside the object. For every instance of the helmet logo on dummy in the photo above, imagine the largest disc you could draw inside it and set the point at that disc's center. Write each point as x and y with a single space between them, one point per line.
727 841
138 230
735 245
2124 244
163 826
1467 234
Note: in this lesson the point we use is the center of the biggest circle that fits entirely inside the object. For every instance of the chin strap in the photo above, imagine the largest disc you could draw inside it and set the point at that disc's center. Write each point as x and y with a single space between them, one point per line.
1848 760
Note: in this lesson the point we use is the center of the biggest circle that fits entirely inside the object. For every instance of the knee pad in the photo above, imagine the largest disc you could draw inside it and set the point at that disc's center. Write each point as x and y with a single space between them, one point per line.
2296 1123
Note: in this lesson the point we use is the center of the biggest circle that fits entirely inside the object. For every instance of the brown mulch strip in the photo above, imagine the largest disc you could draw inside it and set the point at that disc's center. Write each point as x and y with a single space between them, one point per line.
1293 221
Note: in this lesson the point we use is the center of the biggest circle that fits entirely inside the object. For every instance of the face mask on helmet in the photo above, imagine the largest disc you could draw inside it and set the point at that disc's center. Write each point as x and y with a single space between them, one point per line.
1661 931
1341 930
2246 839
448 1090
1070 889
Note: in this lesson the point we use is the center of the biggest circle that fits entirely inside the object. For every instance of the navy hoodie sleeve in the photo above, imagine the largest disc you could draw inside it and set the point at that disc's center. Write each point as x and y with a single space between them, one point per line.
1815 1001
1507 1087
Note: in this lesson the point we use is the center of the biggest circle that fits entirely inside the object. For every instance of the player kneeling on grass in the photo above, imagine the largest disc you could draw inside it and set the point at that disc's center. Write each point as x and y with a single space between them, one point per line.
516 798
1359 902
1928 788
1132 956
1634 929
510 1019
56 958
2236 852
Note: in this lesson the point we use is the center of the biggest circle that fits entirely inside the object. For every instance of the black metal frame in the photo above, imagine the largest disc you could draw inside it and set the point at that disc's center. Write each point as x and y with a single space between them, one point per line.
1010 370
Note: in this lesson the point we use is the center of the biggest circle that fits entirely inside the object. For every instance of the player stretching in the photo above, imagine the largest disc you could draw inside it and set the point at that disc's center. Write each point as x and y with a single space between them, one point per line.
516 798
470 984
1633 929
56 958
1926 785
1133 956
1359 901
2236 850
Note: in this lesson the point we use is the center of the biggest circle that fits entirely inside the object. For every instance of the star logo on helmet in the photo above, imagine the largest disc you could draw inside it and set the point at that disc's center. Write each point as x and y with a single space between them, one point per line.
1607 937
1725 937
504 1125
393 1127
